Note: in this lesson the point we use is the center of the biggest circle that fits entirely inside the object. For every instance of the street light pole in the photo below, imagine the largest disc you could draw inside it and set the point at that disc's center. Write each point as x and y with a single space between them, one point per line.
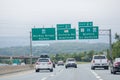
30 48
110 42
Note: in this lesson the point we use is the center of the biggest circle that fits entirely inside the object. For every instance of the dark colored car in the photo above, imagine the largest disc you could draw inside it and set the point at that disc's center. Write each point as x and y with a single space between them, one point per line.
53 64
71 62
115 66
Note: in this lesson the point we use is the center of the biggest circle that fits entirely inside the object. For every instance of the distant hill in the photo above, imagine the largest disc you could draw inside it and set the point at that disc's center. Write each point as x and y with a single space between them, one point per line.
54 48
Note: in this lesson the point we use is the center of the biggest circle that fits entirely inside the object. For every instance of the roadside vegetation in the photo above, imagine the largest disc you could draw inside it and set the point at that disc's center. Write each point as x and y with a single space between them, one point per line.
116 47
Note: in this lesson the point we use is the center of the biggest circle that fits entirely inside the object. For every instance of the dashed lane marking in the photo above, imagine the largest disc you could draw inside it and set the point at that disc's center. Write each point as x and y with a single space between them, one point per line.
44 78
96 75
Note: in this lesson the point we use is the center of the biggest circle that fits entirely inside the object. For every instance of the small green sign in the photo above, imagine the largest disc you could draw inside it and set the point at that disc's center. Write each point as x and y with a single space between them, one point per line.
85 24
88 33
43 34
63 26
66 34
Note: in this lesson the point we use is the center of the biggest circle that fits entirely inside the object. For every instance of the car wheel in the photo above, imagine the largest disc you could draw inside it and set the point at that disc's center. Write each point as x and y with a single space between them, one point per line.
66 67
37 70
106 68
114 72
75 66
51 70
93 68
53 66
111 71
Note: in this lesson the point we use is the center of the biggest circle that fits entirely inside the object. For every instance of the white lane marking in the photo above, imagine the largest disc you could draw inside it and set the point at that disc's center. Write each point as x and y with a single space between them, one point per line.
96 75
52 75
61 70
44 78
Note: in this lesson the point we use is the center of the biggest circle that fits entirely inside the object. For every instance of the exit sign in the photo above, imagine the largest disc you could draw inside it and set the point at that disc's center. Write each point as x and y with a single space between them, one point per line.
88 32
85 24
43 34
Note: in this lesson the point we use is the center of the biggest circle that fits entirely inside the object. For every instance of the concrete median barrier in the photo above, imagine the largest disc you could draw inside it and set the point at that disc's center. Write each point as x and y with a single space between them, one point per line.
11 69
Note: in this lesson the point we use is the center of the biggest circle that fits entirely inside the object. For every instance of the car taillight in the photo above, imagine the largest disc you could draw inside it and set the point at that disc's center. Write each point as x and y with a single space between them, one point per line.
116 64
93 61
37 63
49 62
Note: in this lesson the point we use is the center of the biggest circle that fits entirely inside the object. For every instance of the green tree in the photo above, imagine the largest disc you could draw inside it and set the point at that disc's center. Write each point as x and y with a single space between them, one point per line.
116 47
117 37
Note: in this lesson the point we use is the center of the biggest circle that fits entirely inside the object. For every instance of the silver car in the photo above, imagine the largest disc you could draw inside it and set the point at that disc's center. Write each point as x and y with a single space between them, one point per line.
70 62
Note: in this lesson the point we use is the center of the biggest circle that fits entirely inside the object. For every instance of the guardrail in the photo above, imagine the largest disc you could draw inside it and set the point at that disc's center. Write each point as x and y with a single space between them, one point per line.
12 69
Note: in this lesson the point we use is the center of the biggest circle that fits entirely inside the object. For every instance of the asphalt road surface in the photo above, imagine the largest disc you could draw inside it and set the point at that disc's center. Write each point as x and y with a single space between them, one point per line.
83 72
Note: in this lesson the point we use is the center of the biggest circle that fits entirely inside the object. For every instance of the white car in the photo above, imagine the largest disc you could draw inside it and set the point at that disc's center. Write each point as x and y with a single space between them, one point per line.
44 64
99 61
60 63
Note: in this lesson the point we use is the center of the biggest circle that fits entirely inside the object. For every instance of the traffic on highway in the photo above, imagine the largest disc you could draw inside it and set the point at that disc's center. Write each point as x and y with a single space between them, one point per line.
43 70
59 39
82 72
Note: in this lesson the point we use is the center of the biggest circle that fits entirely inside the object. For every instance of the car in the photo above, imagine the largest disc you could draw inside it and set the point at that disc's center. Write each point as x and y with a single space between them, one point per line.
99 61
60 63
44 64
70 62
115 66
46 56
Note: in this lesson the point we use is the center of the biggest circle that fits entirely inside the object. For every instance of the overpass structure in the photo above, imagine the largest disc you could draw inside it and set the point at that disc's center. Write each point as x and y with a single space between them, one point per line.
18 57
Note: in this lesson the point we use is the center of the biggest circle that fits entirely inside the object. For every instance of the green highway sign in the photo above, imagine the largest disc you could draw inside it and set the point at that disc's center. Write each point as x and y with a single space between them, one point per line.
85 24
66 34
43 34
88 32
63 26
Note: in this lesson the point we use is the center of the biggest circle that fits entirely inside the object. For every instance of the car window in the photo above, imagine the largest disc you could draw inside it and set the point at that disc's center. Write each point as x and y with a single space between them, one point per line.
117 59
99 57
71 59
43 60
44 56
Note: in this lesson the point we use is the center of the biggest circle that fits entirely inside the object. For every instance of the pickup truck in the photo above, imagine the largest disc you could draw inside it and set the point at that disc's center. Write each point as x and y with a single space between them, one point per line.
99 61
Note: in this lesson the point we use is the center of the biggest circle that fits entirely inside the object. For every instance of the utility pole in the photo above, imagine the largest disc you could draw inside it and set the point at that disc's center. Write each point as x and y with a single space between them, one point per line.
30 48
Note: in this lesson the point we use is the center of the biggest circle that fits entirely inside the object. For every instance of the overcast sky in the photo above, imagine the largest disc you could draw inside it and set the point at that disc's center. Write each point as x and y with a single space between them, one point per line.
17 17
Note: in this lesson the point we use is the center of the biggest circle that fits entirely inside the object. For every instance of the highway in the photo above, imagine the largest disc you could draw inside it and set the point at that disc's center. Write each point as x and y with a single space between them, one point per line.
83 72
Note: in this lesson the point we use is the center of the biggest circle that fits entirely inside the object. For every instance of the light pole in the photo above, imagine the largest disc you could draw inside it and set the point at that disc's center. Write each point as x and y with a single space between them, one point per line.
110 42
30 48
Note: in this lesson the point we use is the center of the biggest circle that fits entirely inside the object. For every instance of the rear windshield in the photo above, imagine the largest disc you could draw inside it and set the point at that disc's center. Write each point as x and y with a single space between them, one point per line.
117 59
43 60
99 57
71 60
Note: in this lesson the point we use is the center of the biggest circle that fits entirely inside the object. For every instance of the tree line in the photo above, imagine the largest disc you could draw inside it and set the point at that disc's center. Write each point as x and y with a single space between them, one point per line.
87 56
